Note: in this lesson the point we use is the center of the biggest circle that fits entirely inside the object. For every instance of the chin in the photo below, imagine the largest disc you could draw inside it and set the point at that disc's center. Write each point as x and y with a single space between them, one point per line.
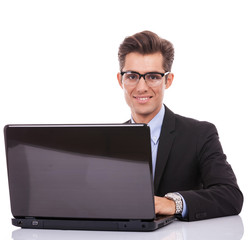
144 112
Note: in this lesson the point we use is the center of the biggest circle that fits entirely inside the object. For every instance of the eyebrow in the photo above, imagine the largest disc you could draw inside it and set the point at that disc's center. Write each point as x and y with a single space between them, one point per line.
156 71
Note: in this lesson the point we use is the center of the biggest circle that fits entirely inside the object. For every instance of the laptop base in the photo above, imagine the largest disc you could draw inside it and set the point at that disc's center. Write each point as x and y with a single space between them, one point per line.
102 225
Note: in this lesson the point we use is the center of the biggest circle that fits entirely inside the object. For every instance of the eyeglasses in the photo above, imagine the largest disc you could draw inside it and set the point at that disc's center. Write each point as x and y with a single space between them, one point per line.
152 79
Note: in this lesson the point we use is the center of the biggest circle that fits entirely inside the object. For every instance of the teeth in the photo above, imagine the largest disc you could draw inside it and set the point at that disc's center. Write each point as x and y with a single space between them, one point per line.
143 99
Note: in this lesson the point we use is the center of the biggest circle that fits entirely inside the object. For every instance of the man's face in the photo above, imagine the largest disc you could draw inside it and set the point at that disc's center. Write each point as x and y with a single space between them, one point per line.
144 101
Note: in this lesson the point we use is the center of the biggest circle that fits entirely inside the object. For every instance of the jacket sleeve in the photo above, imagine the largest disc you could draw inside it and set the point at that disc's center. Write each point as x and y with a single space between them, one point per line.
220 195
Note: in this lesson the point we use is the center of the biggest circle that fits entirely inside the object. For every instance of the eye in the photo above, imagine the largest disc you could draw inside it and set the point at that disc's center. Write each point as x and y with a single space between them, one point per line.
131 76
153 76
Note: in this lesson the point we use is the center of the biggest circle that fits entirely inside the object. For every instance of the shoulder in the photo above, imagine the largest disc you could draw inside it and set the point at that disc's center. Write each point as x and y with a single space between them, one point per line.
128 122
201 135
186 124
191 122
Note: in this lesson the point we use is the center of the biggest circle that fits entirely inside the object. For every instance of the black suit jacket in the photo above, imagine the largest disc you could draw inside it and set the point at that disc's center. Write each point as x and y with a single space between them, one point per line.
190 160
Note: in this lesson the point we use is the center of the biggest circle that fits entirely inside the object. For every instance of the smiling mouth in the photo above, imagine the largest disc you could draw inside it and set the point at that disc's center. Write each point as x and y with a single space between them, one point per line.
142 99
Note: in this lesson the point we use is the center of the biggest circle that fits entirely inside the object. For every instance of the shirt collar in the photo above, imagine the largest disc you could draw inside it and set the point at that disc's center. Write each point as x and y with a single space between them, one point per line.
155 125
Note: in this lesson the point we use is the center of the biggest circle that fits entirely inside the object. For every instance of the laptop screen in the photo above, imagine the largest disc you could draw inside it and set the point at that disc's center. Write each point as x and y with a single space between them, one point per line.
80 171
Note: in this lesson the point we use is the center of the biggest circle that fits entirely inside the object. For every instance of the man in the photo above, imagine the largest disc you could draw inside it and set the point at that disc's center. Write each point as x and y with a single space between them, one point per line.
192 178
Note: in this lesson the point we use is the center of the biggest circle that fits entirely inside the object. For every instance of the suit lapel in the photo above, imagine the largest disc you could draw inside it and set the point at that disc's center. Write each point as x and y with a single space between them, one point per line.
166 139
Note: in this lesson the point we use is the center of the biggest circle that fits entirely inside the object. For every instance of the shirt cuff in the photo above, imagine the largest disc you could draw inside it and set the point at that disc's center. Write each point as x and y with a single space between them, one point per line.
185 210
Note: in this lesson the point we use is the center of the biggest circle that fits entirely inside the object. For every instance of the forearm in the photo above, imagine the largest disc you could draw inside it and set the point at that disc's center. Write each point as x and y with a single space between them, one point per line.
216 201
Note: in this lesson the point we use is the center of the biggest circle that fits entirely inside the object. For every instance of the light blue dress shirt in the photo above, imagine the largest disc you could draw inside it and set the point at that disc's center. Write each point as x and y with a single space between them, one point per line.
155 129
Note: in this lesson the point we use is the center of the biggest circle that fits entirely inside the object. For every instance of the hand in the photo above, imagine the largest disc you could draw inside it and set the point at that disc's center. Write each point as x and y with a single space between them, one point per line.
164 206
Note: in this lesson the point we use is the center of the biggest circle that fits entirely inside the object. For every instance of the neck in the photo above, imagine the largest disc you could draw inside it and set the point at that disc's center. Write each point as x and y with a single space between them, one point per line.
141 119
144 118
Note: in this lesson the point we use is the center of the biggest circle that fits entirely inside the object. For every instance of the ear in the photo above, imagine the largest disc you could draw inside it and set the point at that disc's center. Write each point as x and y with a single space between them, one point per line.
119 79
169 80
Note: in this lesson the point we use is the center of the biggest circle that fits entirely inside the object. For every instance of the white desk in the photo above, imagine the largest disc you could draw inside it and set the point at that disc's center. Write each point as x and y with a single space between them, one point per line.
227 228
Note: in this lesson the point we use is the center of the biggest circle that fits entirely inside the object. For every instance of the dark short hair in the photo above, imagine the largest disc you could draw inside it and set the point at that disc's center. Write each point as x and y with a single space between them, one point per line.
147 42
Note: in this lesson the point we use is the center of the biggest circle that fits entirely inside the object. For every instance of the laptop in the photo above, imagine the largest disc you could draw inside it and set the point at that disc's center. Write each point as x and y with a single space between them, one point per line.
81 177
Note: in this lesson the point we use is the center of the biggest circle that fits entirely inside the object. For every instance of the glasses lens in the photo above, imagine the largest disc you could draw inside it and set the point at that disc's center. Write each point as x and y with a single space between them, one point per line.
130 78
153 79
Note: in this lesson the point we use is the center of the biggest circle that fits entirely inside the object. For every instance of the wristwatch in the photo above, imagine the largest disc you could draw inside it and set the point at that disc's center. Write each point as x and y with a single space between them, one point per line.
178 201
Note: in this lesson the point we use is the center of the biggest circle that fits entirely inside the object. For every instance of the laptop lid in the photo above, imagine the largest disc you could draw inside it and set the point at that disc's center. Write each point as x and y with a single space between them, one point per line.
80 171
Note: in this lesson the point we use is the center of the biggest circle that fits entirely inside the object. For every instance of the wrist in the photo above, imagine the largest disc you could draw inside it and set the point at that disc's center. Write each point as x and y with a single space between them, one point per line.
177 200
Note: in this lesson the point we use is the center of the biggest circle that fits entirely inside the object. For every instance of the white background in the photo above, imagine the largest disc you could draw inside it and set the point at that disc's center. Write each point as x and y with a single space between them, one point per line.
58 64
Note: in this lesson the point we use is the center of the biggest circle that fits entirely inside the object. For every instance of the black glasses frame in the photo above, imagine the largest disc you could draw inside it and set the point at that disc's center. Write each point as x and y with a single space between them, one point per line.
144 75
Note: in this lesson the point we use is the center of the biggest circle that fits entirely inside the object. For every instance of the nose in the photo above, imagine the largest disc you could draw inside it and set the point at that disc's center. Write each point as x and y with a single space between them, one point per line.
141 85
